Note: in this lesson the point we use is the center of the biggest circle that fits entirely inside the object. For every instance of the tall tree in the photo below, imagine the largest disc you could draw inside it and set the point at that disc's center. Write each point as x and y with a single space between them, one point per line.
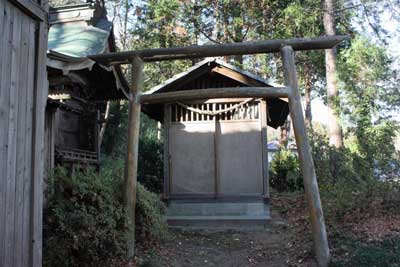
334 128
300 19
365 70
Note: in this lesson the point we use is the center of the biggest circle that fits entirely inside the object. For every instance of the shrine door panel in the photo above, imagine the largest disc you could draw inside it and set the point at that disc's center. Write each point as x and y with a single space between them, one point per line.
192 159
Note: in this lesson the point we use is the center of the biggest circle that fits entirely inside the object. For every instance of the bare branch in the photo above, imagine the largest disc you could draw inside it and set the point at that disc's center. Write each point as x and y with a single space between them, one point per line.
374 28
245 34
206 35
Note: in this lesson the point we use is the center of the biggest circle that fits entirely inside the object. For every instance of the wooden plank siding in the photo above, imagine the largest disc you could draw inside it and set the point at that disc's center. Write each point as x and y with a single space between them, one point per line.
40 98
23 93
166 157
217 154
264 142
4 118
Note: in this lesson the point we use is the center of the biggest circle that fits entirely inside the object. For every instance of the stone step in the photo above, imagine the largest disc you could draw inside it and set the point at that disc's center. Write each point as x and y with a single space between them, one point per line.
216 215
218 209
225 222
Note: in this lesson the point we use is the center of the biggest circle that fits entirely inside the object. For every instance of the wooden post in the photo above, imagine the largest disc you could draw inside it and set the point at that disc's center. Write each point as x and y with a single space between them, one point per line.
166 170
264 118
307 164
131 163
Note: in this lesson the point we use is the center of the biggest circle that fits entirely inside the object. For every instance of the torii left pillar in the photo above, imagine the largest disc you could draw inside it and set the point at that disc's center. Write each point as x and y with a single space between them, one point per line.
131 165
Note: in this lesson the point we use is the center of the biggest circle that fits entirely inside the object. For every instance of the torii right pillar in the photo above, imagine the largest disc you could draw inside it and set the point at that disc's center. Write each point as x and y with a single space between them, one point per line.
306 161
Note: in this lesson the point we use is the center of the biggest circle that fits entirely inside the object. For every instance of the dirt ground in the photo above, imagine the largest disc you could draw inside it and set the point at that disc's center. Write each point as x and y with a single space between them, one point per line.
271 245
285 241
226 248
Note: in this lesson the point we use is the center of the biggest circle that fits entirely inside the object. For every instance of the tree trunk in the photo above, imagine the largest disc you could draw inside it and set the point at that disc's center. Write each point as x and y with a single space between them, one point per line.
307 97
284 138
334 128
124 38
225 33
104 123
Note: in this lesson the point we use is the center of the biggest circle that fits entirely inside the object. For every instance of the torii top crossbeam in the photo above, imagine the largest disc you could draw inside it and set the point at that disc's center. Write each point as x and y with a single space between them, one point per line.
291 90
195 51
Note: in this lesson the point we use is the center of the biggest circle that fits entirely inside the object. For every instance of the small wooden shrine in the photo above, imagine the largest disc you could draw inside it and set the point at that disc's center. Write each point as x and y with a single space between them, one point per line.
286 47
79 88
215 150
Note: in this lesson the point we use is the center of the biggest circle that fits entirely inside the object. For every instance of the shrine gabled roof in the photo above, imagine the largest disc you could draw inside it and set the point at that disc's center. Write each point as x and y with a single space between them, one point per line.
78 31
207 62
78 40
75 32
278 109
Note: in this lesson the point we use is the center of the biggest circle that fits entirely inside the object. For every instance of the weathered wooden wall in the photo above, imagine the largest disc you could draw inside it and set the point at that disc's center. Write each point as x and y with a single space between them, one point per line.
67 127
218 156
71 134
23 93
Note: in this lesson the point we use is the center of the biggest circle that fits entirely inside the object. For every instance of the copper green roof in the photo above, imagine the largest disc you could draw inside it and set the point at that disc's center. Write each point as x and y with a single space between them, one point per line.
77 31
77 39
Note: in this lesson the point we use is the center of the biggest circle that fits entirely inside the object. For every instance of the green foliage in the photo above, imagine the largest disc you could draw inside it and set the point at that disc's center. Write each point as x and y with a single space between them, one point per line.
285 172
114 140
84 217
385 157
150 160
356 200
333 165
302 18
364 71
150 224
378 253
150 169
391 198
350 182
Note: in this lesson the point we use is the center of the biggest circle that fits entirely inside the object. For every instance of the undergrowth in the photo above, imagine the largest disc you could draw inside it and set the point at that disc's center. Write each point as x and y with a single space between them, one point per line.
360 199
84 218
378 253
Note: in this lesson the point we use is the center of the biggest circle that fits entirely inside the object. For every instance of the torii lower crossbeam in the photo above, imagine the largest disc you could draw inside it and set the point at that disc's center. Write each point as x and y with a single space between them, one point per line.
253 92
286 47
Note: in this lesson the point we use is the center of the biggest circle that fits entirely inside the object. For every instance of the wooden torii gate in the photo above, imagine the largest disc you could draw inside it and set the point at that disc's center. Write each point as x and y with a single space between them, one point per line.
286 47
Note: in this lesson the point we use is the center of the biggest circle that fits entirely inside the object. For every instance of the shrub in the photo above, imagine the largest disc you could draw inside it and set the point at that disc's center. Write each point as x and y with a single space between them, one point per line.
391 199
150 224
333 165
150 169
84 217
378 253
285 172
150 159
348 182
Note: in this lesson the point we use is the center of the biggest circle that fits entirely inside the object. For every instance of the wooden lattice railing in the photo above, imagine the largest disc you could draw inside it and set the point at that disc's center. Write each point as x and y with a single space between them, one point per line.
77 155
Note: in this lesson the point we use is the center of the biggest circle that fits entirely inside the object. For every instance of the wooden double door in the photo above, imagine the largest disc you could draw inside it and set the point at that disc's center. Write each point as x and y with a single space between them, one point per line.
216 155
